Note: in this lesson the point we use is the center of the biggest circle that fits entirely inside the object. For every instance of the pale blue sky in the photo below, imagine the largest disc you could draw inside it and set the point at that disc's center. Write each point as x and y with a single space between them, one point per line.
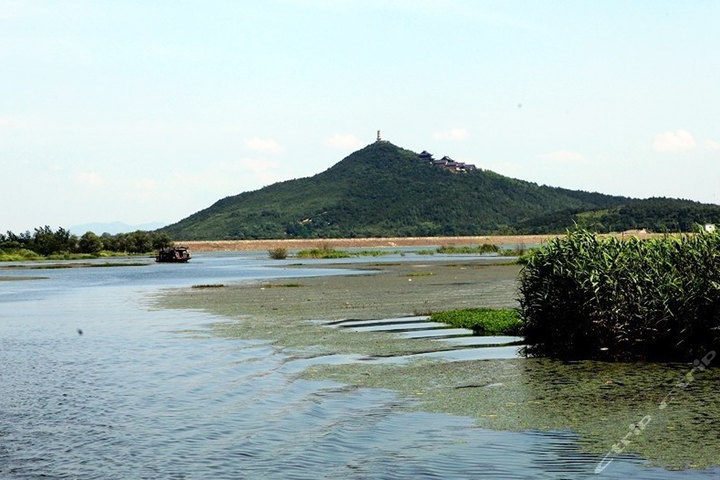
142 111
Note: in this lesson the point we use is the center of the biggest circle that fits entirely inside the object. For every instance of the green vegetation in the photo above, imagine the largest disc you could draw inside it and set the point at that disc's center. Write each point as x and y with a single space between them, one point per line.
18 255
384 190
654 214
55 266
372 253
324 252
482 321
209 285
278 253
62 245
281 285
586 297
475 250
327 251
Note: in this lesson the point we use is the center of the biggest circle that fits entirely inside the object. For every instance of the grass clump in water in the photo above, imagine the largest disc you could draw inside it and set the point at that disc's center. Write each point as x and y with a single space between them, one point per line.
482 321
326 251
469 250
281 285
372 253
278 253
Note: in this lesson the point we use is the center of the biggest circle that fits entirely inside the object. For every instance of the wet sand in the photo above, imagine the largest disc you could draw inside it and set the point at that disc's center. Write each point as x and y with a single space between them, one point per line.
597 400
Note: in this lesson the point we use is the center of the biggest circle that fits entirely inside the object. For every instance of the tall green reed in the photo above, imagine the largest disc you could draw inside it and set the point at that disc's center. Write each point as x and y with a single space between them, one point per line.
582 296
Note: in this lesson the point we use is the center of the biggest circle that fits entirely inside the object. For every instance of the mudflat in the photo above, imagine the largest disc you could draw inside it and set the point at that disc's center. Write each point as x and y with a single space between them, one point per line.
284 311
386 290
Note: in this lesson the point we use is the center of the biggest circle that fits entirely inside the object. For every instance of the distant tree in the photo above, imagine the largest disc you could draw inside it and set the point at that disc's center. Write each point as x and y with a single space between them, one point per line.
138 242
160 240
46 242
90 243
11 241
109 242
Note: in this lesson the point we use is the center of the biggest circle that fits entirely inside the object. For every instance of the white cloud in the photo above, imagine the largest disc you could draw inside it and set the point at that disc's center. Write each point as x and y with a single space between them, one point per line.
712 145
455 134
672 142
343 142
565 157
265 145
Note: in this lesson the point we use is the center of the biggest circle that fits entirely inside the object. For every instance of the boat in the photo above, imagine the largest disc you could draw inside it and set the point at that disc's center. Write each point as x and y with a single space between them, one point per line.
173 255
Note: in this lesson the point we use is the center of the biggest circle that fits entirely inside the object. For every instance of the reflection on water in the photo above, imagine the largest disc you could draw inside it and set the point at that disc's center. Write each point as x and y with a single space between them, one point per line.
148 394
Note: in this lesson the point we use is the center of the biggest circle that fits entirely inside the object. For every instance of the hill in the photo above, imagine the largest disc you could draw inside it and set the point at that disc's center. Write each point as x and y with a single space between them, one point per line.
385 190
113 228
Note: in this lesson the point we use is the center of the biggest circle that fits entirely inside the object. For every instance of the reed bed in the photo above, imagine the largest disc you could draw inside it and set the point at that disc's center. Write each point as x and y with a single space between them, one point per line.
583 296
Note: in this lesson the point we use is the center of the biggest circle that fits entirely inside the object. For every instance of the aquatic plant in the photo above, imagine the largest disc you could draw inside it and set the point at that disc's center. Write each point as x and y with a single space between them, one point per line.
372 253
484 248
586 297
482 321
278 253
324 252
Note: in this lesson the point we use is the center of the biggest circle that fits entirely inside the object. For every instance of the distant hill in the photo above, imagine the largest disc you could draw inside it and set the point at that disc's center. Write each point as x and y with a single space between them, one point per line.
385 190
113 228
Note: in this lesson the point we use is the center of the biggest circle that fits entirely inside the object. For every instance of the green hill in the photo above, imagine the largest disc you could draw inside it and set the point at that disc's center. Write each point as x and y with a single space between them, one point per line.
384 190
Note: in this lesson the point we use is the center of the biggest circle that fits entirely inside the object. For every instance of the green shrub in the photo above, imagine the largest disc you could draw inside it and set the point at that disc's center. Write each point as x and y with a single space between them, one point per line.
482 321
18 254
278 253
586 297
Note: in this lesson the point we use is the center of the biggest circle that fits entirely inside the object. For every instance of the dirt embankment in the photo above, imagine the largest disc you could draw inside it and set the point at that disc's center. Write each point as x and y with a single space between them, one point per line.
240 245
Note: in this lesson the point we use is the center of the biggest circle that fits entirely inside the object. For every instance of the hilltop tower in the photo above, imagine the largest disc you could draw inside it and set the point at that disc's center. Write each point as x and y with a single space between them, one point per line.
378 137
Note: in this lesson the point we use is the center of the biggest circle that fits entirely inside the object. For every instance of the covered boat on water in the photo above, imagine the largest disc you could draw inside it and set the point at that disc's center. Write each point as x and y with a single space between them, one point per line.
173 255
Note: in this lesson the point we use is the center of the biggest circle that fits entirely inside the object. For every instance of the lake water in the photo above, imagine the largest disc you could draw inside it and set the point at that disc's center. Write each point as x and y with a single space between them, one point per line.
147 393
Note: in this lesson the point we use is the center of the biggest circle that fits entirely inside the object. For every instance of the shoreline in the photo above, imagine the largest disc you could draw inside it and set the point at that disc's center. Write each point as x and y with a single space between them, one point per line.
306 243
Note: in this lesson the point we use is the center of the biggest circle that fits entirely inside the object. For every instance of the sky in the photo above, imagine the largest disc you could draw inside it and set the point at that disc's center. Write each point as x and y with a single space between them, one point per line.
139 111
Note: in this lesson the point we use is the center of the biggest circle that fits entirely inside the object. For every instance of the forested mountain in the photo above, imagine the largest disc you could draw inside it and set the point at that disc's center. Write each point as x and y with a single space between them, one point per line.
384 190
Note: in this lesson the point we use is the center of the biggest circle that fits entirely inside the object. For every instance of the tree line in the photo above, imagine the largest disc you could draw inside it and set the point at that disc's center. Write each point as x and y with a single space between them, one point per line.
45 241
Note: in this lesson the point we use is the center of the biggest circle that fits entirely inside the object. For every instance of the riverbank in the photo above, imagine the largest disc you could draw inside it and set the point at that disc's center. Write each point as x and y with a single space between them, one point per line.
595 400
307 243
